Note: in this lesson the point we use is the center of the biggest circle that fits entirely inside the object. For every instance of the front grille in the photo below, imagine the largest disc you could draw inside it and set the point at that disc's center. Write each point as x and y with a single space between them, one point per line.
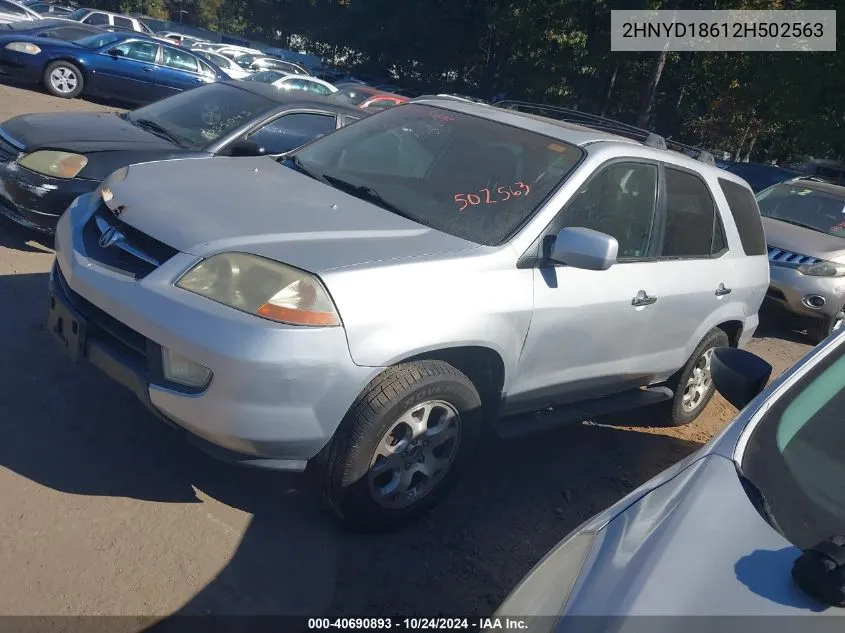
130 251
101 320
788 258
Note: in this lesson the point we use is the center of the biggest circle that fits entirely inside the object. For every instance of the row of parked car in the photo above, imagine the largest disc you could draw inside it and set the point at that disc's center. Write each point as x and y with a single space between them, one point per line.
298 284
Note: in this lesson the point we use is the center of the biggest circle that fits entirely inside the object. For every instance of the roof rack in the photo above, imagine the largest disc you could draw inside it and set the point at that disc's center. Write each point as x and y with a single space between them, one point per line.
569 115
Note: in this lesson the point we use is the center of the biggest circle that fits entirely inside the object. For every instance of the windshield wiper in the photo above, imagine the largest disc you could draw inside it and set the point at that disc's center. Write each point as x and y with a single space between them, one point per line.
302 169
158 130
365 192
758 499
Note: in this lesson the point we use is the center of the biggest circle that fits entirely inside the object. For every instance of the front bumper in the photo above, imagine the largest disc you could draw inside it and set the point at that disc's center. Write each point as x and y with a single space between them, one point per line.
21 66
278 393
37 201
788 288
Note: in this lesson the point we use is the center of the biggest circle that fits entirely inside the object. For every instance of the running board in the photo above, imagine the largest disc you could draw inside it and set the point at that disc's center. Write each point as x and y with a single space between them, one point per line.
517 426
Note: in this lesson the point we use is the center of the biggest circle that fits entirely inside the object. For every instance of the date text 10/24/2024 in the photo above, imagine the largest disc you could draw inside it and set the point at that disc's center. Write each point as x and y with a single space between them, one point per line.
486 196
419 624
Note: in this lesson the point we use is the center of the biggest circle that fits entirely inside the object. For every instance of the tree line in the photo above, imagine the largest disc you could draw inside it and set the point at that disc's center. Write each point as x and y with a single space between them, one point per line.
758 106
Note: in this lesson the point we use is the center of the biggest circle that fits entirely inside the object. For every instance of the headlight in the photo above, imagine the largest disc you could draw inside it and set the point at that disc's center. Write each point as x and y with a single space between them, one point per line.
23 47
545 591
54 163
262 287
823 269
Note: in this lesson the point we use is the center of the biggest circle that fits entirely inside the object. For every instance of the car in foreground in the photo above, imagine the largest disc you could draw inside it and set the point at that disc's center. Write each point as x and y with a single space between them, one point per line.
805 230
364 306
95 17
224 63
11 12
742 527
289 81
761 175
48 159
122 66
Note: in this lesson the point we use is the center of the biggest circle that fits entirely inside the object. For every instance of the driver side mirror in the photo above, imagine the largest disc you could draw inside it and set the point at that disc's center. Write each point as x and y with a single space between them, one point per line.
246 147
739 376
585 248
116 52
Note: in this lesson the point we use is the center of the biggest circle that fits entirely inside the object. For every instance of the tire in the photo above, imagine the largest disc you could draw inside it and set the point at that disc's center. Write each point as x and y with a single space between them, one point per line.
682 410
63 79
348 468
819 329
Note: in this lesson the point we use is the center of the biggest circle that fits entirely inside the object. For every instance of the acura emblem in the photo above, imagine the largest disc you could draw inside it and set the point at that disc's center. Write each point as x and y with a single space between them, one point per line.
110 237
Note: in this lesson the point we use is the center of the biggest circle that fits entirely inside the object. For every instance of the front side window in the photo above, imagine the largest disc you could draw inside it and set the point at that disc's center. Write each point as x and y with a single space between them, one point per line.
99 40
618 201
460 174
200 116
124 23
139 51
821 210
179 60
97 19
796 455
316 88
293 130
691 216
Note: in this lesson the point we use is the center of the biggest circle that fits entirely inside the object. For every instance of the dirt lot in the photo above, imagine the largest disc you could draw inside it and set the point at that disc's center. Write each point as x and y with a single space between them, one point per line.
106 511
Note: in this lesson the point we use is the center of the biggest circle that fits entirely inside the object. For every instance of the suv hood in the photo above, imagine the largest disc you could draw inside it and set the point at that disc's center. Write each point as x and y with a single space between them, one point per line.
256 205
81 132
803 241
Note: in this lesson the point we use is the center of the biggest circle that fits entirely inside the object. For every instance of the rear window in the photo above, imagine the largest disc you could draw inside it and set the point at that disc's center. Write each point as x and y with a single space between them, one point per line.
746 216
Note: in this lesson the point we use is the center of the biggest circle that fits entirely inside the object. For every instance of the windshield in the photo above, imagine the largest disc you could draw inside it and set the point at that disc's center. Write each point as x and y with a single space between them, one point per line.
245 61
100 39
796 455
761 176
200 116
355 96
459 174
815 209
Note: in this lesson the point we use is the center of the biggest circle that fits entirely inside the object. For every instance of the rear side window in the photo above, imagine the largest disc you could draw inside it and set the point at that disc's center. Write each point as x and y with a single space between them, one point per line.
125 23
691 216
746 216
293 130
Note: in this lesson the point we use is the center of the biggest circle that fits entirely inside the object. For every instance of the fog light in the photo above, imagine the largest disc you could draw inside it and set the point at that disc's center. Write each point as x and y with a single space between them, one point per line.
814 301
183 370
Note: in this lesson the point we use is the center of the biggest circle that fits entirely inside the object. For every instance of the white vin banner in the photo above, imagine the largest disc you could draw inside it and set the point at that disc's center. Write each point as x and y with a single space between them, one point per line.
723 31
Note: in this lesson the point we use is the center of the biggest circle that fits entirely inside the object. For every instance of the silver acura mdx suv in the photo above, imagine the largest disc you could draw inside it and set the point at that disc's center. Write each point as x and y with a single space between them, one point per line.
370 304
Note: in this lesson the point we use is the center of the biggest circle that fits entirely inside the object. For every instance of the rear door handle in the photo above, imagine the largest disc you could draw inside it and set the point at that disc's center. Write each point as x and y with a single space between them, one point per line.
642 299
721 291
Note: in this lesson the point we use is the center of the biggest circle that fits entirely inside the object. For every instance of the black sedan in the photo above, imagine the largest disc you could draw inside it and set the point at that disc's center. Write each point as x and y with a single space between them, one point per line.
47 160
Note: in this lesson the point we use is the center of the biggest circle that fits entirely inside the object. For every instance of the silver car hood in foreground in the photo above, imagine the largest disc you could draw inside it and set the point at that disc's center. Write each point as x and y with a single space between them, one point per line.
258 206
803 241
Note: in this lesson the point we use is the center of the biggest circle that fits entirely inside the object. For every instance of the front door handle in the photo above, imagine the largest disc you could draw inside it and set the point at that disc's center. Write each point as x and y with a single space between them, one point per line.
642 299
721 291
148 69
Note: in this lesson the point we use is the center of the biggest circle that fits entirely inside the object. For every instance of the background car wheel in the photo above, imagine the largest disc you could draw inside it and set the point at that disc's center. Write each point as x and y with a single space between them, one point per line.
402 445
63 79
693 385
819 329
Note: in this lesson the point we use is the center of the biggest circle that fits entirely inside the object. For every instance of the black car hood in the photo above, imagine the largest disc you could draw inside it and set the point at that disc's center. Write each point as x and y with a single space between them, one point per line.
81 132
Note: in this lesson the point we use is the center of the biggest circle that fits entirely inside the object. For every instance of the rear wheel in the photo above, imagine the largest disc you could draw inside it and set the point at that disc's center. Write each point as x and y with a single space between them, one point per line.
819 329
402 445
63 79
693 384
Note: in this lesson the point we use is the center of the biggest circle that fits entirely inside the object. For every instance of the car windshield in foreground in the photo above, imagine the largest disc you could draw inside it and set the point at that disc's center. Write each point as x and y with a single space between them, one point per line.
804 206
99 40
196 118
463 175
796 455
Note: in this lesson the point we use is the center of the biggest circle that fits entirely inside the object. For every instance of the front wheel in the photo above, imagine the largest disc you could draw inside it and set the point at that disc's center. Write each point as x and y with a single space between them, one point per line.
819 329
693 384
63 79
402 445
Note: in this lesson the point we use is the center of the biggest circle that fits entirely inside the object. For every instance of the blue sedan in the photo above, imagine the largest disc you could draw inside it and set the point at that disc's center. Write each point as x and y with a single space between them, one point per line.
128 67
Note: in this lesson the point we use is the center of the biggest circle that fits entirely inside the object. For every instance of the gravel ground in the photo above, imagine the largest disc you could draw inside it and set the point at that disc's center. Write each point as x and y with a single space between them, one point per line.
106 511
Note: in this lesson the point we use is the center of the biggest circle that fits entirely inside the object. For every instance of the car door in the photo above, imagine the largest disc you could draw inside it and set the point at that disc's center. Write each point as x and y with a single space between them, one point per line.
293 130
128 71
693 268
588 332
180 70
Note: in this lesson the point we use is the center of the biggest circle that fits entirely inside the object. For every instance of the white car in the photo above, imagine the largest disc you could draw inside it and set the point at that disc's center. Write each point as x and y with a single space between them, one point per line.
106 19
225 64
14 12
230 50
288 81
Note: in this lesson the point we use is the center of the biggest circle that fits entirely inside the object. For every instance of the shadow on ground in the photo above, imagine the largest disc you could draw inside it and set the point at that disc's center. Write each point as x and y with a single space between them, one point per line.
18 238
69 428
